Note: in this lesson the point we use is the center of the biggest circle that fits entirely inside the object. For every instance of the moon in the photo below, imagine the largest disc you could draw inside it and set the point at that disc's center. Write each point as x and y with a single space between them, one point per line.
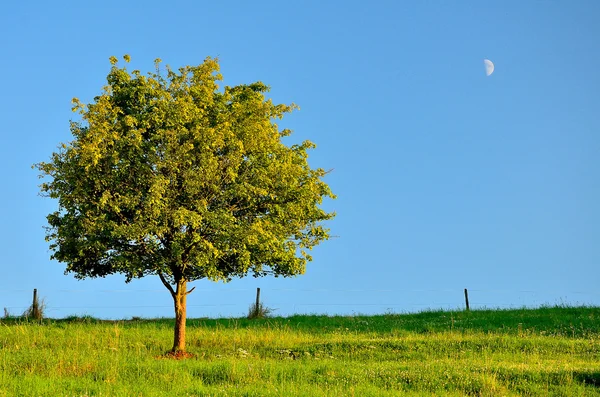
489 67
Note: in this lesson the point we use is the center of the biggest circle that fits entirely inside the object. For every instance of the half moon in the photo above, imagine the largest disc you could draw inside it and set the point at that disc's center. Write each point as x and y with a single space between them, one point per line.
489 67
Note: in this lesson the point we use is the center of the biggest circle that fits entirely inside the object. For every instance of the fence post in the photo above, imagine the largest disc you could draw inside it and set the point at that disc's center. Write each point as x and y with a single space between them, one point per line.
467 299
257 298
35 307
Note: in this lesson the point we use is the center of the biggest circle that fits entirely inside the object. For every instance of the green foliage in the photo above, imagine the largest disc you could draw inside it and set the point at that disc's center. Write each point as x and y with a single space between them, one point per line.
388 355
172 176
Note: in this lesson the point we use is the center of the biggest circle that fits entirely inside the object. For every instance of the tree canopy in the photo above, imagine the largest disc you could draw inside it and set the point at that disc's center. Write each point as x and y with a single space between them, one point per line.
170 175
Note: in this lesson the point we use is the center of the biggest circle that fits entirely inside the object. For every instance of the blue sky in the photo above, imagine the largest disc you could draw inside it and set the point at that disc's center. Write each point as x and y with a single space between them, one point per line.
446 179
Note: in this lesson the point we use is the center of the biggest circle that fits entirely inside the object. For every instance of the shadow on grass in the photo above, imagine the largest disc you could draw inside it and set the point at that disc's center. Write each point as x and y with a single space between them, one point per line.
590 378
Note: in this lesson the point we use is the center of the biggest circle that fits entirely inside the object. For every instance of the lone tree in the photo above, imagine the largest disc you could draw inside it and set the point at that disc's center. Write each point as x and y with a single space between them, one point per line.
168 175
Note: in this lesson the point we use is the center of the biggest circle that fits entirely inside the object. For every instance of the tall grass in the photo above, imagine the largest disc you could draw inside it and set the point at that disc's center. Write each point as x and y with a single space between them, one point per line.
548 351
259 310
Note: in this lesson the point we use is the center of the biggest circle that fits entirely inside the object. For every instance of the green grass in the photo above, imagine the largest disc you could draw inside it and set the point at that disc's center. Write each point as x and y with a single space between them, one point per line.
546 351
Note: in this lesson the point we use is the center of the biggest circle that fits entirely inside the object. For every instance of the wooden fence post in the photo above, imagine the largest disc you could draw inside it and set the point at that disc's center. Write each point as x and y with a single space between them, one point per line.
35 307
467 299
257 298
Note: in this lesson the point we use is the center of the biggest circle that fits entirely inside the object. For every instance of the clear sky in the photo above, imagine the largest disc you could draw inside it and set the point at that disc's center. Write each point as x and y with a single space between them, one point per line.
447 179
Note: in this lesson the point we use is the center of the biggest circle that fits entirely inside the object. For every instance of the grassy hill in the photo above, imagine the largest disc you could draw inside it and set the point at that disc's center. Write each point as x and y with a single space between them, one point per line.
546 351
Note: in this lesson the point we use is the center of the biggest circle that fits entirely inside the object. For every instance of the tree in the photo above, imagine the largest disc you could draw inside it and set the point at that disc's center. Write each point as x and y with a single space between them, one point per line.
169 175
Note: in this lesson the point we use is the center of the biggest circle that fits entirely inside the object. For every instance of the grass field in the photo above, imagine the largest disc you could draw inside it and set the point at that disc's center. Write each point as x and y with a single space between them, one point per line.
548 351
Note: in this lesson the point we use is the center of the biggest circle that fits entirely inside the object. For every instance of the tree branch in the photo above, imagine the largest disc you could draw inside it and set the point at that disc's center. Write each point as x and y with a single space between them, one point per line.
188 249
190 291
166 284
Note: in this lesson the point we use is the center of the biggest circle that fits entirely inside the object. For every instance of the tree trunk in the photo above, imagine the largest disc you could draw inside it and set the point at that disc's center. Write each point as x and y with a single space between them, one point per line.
180 316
